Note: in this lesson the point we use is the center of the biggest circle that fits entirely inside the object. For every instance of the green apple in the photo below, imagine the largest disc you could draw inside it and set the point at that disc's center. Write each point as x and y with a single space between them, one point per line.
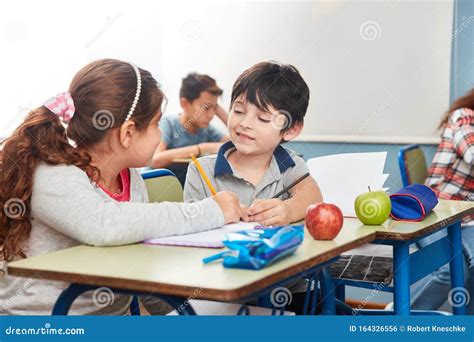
373 207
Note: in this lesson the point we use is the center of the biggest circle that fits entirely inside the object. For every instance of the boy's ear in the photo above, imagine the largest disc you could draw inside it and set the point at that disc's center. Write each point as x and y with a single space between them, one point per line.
127 130
184 103
293 131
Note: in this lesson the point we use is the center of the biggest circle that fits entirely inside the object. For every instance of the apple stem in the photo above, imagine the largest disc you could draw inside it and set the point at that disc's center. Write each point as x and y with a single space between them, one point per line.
369 188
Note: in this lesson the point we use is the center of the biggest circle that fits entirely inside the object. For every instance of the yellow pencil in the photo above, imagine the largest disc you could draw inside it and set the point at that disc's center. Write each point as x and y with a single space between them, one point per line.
203 175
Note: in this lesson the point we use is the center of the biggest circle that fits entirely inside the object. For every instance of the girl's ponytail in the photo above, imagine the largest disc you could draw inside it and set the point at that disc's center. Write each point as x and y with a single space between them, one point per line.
102 96
40 138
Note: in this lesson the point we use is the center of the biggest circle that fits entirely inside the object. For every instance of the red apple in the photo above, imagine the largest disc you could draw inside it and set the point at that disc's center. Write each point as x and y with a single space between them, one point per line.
323 221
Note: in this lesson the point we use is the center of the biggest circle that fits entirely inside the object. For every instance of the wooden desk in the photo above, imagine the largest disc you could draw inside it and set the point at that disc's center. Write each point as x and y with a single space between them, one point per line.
443 215
179 271
409 268
183 161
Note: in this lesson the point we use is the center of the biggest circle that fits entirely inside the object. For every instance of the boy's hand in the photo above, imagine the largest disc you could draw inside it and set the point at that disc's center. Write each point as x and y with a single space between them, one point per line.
271 212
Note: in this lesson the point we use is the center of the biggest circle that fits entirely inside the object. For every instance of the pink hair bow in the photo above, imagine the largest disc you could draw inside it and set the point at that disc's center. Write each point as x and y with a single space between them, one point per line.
62 105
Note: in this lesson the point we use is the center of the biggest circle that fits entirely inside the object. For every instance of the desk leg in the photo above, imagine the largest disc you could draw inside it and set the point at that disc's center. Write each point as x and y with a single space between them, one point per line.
264 296
135 307
340 292
264 301
182 306
328 301
456 269
401 278
311 295
69 295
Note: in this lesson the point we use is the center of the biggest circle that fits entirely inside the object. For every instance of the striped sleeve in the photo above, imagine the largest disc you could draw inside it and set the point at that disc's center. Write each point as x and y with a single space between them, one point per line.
463 136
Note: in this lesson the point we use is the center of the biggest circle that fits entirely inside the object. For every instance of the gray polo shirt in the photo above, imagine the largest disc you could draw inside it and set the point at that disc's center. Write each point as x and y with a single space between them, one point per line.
285 168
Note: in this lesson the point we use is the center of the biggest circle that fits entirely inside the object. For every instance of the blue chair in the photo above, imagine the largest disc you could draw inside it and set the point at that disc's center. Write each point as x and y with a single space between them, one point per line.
162 185
154 173
412 163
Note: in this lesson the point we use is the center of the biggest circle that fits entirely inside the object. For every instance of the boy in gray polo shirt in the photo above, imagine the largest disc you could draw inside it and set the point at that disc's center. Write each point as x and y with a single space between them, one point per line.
268 105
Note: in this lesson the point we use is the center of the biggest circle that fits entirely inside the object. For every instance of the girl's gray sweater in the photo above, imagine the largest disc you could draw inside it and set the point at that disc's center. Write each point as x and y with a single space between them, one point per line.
68 210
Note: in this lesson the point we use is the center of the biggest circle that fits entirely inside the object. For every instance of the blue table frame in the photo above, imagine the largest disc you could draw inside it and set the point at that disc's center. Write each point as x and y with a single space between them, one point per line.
318 273
409 268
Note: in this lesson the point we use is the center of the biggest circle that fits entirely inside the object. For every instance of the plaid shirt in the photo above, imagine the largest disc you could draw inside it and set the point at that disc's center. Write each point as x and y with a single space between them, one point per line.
451 174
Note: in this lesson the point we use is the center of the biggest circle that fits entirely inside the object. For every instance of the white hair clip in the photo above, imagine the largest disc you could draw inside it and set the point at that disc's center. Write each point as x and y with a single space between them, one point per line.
137 94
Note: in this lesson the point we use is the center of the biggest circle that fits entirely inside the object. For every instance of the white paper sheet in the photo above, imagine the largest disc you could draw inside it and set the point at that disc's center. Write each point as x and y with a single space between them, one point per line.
342 177
209 238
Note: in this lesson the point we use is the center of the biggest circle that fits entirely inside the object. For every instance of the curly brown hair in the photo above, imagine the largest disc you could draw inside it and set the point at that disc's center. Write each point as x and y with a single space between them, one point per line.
103 86
466 101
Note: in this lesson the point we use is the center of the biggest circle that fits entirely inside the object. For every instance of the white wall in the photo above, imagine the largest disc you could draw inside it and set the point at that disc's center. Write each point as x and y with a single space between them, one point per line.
387 83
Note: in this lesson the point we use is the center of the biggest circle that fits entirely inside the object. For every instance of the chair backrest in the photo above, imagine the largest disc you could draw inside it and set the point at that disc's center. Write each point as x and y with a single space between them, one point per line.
412 163
162 185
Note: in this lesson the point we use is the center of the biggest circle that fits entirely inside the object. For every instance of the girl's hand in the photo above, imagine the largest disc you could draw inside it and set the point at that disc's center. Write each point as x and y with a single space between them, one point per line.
271 212
230 206
245 217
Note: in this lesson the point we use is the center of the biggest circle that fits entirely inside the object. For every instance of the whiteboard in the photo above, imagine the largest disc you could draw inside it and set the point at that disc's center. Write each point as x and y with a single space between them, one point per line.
378 71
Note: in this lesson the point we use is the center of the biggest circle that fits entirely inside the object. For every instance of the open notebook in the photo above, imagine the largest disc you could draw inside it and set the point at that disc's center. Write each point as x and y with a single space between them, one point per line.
342 177
208 239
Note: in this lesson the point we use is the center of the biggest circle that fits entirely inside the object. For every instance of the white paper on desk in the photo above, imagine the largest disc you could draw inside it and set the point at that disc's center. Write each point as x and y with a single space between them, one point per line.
342 177
209 238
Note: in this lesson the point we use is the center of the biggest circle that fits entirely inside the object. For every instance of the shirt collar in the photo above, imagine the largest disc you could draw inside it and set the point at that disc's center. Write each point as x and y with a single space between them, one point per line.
281 155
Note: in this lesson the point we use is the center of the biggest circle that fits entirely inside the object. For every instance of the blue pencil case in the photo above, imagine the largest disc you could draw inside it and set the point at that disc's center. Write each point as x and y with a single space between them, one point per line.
254 249
413 202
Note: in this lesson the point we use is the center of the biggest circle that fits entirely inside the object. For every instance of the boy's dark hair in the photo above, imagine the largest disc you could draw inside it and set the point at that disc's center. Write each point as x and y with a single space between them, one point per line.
194 84
278 85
